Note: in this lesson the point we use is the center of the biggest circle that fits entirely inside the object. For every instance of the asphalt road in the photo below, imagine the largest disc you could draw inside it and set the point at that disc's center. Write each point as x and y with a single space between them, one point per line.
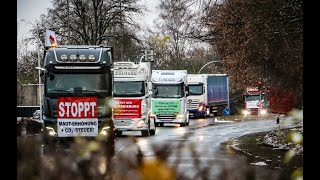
198 147
196 151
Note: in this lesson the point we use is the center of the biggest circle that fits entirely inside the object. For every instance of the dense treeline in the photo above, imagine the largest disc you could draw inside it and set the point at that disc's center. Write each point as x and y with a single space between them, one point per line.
252 40
259 40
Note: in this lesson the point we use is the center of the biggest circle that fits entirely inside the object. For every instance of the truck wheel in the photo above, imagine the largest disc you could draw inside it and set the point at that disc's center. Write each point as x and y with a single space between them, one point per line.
153 131
220 111
182 124
145 133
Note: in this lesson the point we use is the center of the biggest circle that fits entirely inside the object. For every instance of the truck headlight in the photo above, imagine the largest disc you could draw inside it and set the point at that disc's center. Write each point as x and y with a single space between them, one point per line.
180 116
263 112
51 131
245 112
104 131
140 124
200 108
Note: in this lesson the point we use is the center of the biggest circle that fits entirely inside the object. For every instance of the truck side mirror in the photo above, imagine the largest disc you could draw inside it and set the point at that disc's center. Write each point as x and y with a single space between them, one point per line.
187 90
149 86
51 77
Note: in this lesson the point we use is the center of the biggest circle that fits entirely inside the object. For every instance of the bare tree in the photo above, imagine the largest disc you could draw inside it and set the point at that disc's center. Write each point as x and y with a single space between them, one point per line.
26 67
174 22
93 22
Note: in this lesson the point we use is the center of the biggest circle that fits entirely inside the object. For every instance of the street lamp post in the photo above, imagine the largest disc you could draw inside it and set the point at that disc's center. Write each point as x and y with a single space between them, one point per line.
122 33
68 39
39 76
206 65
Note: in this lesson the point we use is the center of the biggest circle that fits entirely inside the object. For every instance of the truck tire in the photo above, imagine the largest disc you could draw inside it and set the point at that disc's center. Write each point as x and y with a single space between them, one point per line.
220 111
182 124
153 131
145 133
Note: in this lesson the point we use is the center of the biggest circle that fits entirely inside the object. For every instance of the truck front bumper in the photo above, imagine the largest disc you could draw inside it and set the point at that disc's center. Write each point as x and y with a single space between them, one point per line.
105 128
197 113
136 124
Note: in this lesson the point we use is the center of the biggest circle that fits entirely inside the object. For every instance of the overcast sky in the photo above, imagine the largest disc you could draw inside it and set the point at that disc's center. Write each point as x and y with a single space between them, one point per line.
30 10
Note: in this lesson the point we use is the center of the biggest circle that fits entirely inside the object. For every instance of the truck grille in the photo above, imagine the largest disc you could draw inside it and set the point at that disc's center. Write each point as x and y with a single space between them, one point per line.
123 122
193 104
166 116
254 111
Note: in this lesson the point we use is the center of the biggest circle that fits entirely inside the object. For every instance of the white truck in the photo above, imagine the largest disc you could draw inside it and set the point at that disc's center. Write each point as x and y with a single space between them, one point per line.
208 94
132 101
169 97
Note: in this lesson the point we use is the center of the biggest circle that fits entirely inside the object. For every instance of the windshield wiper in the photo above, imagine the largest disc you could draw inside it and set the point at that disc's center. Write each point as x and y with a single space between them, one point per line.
161 96
60 90
92 91
126 95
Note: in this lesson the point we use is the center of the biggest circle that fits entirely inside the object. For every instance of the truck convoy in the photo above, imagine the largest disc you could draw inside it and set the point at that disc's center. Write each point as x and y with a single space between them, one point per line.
169 97
132 100
254 102
208 94
78 93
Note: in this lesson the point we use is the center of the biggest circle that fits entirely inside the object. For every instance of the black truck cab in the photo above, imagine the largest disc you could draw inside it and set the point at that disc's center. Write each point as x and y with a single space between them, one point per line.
77 92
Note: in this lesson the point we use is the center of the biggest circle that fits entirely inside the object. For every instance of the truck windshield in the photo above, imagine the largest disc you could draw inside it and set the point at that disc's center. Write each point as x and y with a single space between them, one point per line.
195 89
168 91
89 83
252 98
128 89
